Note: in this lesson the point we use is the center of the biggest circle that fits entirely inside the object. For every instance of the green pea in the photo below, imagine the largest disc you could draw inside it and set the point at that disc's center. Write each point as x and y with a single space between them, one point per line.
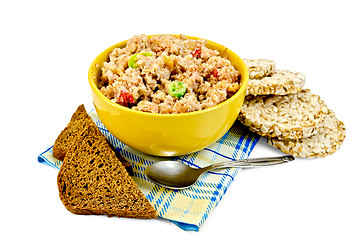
177 89
132 60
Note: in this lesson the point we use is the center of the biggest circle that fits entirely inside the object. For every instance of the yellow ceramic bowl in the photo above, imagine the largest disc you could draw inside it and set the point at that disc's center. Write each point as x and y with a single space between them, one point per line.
168 134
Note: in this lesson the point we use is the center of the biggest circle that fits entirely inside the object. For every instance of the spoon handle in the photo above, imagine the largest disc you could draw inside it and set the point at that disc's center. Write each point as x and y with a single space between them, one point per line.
252 162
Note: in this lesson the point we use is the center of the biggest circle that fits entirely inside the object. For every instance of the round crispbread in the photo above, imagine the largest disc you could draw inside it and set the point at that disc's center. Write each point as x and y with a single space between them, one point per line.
287 116
281 82
327 140
259 68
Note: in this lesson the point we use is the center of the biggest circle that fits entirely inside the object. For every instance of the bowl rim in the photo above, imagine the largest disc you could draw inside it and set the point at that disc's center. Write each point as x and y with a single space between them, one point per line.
242 88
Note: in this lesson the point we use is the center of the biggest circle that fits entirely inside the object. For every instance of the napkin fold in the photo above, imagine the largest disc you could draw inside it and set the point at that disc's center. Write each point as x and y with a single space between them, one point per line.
187 208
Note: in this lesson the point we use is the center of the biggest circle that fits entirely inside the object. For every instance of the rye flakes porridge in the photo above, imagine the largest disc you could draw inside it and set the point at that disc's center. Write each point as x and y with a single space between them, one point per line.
167 74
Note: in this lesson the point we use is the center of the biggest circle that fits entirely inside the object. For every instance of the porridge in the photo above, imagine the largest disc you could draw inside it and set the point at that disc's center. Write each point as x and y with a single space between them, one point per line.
167 74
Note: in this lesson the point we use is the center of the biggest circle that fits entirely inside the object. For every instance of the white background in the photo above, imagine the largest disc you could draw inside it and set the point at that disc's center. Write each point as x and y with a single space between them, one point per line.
47 47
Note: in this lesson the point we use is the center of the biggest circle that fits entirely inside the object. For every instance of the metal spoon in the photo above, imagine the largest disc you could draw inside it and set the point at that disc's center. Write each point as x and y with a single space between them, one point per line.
176 175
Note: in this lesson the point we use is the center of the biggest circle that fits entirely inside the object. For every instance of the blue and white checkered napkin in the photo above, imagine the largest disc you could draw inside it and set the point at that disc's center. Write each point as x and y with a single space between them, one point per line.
187 208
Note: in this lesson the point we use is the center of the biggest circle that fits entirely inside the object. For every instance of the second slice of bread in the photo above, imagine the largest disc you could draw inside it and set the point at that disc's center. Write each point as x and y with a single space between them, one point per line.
80 120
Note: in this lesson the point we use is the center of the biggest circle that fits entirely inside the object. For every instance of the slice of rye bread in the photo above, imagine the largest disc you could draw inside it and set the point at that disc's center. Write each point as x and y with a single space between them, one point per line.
92 180
79 121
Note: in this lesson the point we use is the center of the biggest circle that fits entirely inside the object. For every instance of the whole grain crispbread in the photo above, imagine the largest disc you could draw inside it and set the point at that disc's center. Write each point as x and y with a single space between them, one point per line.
284 116
281 82
259 68
92 180
326 141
